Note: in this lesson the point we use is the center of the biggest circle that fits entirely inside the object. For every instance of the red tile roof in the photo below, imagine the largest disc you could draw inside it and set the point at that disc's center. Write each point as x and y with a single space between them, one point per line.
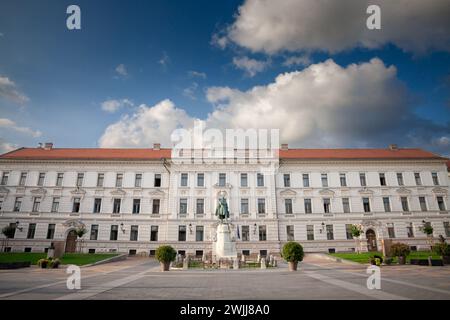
151 154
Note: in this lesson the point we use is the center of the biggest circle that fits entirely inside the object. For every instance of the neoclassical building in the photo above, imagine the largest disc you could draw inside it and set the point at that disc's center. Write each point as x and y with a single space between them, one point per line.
134 200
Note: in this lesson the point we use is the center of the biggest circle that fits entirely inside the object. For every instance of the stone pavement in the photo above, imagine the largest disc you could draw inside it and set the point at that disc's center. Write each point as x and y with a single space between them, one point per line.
140 278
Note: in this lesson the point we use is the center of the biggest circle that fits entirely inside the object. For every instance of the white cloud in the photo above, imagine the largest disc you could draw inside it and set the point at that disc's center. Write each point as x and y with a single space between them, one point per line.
302 60
190 91
146 126
9 124
324 105
8 90
250 66
121 70
275 26
114 105
164 61
196 74
6 146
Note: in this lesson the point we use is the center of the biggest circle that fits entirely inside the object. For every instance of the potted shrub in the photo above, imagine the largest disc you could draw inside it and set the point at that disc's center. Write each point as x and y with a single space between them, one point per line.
401 251
54 263
292 253
443 249
376 260
165 255
43 263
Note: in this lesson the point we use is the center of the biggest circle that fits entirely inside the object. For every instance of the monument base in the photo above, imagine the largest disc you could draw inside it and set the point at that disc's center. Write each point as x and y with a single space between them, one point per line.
225 247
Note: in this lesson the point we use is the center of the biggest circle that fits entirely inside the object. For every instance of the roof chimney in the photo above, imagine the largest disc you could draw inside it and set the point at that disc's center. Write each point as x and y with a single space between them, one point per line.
284 146
156 146
48 146
39 145
393 147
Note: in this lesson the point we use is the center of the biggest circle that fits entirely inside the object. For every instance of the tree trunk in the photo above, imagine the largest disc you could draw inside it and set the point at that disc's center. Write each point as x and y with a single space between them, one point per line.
293 265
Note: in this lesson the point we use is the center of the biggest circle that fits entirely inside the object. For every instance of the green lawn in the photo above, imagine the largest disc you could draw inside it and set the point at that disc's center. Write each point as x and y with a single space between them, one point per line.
78 259
363 257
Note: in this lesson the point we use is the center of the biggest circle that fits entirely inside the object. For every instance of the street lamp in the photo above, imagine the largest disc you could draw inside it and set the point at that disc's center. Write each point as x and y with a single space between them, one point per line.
323 227
122 228
17 226
190 228
254 228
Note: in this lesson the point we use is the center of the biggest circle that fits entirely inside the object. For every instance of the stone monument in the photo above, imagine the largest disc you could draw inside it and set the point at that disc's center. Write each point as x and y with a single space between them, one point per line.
225 247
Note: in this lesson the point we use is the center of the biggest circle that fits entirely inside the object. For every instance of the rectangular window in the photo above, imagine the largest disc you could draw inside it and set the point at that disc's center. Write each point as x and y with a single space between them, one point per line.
288 206
245 233
138 180
262 233
290 233
366 204
324 178
362 179
222 179
386 204
440 202
346 205
55 204
94 232
181 233
200 180
134 233
184 179
155 206
261 206
410 230
244 206
157 182
136 206
59 179
260 180
41 178
119 180
1 204
114 232
12 235
348 231
400 179
76 205
330 233
97 205
154 233
23 179
404 201
391 231
51 231
423 204
305 180
447 228
244 180
343 179
326 205
5 177
17 204
116 205
31 230
287 180
310 232
382 179
183 206
100 179
434 175
417 178
36 204
200 206
199 233
308 207
80 178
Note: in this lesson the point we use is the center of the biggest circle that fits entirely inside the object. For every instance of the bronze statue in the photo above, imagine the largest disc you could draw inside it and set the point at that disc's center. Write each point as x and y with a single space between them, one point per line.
222 209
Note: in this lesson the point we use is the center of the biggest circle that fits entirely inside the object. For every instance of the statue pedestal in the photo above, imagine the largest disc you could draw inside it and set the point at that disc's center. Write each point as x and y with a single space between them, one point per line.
225 248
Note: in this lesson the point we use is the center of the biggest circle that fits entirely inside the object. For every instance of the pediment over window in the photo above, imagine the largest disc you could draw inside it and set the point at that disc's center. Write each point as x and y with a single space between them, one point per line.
73 223
80 192
118 192
4 190
226 186
439 190
326 192
288 193
403 191
156 192
38 192
365 191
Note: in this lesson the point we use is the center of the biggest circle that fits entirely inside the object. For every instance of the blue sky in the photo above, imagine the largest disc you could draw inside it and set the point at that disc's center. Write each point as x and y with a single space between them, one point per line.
142 52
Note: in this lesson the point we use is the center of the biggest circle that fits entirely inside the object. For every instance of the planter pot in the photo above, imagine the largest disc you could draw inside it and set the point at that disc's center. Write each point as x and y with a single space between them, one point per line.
165 266
293 266
446 259
401 260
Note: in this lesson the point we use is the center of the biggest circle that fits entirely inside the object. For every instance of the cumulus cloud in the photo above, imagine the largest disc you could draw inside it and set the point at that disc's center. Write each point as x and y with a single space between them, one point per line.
250 66
324 105
196 74
164 61
121 70
270 26
11 125
113 105
8 90
302 60
190 91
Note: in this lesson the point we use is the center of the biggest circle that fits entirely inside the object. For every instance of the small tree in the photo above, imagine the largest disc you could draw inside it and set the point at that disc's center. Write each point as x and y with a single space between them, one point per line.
293 253
427 228
401 251
356 231
165 255
8 232
81 231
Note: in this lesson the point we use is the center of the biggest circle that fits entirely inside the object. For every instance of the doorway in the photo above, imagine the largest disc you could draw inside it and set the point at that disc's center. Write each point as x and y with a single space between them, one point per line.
71 242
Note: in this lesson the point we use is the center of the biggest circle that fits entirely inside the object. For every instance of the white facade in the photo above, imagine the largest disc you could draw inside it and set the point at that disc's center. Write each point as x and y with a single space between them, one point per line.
266 230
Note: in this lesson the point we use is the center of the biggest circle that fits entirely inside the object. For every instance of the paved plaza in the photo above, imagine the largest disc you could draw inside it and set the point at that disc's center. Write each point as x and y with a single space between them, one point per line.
140 278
